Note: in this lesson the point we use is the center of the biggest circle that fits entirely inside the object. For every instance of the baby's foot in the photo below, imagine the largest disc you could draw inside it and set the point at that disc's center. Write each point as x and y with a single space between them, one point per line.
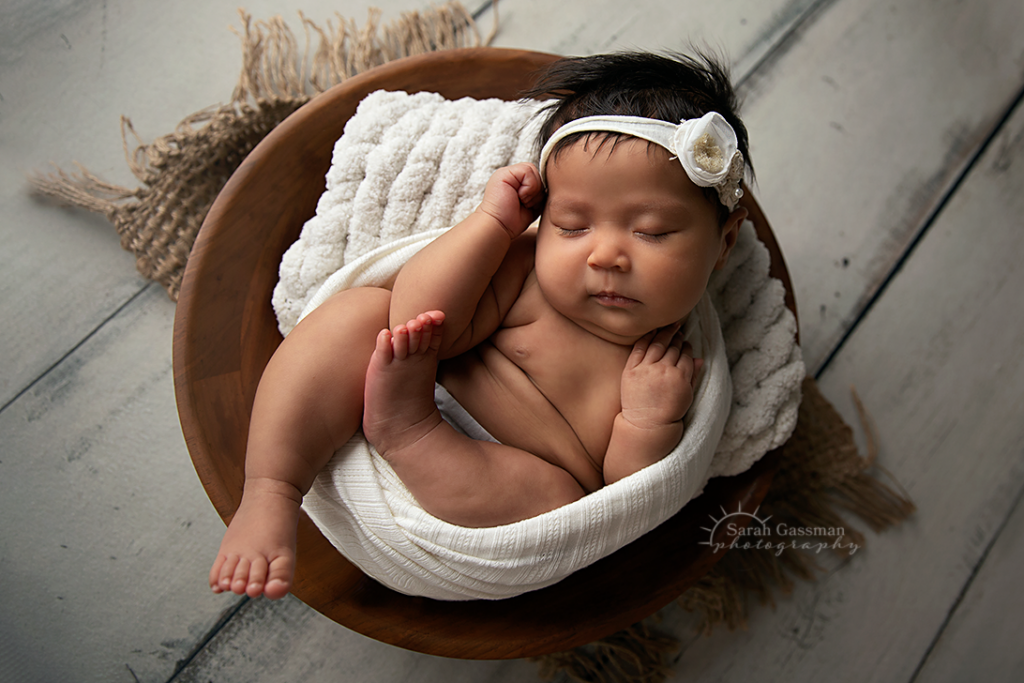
257 555
398 401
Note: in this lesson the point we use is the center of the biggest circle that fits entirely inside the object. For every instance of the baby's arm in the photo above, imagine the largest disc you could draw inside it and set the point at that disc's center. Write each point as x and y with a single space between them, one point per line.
475 271
657 390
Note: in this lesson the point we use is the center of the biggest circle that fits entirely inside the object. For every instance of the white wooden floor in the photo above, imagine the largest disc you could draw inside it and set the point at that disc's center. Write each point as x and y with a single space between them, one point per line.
888 139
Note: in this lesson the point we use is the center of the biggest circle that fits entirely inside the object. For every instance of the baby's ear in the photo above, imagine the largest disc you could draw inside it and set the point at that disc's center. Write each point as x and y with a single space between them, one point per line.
730 233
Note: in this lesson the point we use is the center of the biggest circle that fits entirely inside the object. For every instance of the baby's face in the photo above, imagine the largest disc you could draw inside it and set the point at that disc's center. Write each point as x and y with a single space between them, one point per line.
627 242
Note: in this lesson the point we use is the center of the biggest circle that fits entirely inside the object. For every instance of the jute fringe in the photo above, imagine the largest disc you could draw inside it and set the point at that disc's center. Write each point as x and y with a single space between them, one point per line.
182 173
821 472
638 654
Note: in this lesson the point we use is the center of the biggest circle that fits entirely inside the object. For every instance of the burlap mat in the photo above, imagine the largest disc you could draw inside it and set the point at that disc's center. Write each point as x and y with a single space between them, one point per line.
821 474
181 173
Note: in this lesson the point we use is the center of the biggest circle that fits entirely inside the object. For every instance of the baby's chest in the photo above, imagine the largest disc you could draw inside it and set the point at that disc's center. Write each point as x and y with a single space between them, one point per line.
576 371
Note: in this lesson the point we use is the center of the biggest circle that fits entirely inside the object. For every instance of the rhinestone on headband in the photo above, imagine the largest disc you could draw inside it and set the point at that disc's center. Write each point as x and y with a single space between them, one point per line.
706 147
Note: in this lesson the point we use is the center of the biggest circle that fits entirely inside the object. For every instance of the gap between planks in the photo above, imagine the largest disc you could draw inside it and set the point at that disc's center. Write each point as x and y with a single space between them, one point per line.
117 311
921 232
951 614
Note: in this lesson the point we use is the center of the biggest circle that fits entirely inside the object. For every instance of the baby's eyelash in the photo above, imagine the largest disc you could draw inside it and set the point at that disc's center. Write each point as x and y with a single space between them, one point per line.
654 236
569 231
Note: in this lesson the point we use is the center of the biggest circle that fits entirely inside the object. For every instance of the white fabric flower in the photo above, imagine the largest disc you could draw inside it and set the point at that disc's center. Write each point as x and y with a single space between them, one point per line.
705 147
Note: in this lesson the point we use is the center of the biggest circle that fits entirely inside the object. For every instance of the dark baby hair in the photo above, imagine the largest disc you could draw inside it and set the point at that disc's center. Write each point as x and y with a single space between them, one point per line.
670 86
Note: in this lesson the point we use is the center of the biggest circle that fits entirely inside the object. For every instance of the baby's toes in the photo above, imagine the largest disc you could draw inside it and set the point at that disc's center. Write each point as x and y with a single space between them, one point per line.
215 573
400 342
279 578
415 328
430 338
435 337
241 576
257 577
228 563
382 349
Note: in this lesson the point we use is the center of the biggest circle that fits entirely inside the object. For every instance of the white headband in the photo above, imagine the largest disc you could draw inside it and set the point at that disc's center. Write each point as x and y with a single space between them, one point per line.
706 147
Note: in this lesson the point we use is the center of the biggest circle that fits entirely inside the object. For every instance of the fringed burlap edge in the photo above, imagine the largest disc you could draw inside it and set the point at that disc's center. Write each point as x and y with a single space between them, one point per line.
821 474
638 654
182 173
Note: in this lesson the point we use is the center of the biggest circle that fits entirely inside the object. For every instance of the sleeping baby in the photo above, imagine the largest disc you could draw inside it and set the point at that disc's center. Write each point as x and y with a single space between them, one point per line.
562 340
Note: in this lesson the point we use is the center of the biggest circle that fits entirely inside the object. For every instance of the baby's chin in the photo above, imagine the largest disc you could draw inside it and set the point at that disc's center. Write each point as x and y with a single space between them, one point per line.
623 325
621 334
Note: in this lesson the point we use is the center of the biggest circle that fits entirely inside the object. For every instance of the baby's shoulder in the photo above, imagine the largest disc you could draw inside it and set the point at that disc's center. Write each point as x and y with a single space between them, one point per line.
515 272
528 304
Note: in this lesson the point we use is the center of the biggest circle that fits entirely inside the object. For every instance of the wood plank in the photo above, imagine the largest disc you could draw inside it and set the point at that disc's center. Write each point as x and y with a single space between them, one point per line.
745 31
982 640
938 363
860 127
287 641
107 534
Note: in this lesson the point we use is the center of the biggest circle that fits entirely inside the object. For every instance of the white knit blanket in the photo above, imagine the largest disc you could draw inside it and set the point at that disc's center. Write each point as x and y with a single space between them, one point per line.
410 163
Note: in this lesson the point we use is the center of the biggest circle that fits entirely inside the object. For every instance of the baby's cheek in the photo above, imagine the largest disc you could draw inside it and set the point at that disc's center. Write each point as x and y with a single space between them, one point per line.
685 293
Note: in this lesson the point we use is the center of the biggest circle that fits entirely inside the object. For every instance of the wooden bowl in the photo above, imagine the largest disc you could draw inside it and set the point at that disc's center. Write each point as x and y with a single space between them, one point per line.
225 332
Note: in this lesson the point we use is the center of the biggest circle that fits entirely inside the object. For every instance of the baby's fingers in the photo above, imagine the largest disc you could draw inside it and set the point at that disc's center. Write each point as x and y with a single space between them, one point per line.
657 345
639 352
688 362
676 346
531 190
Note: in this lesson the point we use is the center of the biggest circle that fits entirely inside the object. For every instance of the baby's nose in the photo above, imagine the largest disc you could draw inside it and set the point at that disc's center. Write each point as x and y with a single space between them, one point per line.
608 254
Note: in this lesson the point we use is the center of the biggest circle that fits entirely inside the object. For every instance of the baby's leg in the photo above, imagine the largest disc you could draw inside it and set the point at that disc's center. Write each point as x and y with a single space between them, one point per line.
462 481
309 403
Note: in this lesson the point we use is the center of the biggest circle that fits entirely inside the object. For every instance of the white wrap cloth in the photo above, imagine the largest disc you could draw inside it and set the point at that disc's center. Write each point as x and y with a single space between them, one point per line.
366 511
408 163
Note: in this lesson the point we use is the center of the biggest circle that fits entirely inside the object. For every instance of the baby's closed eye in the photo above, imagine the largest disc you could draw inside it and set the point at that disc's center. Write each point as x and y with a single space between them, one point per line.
655 235
569 230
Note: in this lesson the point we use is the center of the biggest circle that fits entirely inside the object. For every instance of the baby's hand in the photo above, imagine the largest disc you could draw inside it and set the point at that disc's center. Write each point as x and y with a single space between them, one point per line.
513 196
659 379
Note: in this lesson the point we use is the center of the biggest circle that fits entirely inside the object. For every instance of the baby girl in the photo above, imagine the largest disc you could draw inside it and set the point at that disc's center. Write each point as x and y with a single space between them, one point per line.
561 340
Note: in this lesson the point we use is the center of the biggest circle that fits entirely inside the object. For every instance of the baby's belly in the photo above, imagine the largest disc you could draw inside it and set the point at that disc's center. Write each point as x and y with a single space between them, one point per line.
503 399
